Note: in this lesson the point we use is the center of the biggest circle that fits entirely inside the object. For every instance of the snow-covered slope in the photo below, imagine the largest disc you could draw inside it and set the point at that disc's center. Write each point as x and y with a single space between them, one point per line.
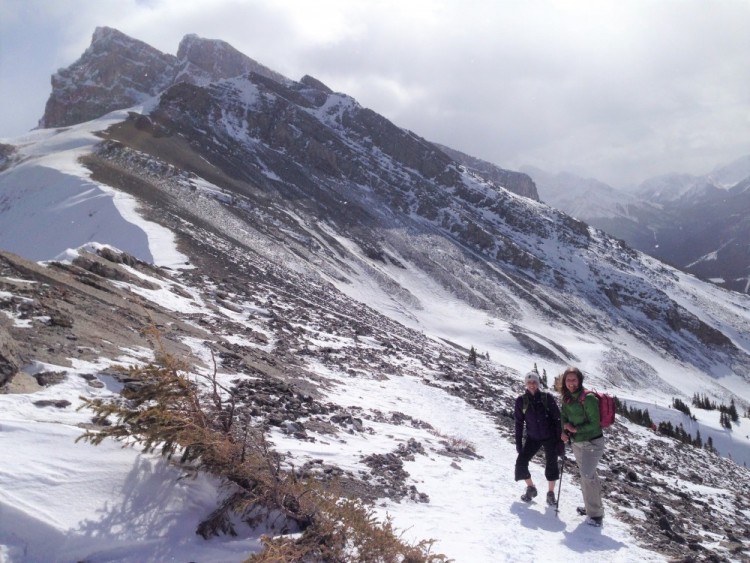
51 204
67 501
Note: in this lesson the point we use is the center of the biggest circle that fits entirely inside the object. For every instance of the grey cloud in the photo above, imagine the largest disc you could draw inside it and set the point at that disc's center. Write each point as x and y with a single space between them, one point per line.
616 90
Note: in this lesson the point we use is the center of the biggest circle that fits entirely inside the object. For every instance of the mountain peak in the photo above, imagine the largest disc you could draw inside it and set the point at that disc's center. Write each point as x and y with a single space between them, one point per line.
118 71
115 72
105 34
208 60
731 174
315 84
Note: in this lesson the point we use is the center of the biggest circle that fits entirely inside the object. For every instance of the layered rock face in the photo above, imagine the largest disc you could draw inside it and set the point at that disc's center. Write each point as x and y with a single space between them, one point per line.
516 182
115 72
118 72
202 61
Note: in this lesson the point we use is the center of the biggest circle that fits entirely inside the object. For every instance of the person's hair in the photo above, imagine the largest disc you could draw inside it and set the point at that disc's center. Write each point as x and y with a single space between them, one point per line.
567 396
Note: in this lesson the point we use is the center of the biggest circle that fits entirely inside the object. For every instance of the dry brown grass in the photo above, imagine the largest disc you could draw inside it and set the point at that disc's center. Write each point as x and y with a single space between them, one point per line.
455 444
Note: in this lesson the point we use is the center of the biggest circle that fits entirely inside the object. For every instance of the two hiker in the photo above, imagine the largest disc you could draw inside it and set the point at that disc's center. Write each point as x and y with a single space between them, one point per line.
549 428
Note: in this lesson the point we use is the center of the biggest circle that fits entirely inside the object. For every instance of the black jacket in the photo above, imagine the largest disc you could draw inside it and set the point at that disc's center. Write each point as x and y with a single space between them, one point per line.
542 417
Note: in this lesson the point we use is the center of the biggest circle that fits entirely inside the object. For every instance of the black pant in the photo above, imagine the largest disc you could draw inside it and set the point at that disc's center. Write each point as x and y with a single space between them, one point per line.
529 450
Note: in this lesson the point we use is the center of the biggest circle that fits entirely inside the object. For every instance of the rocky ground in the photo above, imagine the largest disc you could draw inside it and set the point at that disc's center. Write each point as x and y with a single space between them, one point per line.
90 309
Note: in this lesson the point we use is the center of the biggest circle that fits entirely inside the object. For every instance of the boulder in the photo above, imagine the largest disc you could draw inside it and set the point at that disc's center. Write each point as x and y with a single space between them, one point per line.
10 361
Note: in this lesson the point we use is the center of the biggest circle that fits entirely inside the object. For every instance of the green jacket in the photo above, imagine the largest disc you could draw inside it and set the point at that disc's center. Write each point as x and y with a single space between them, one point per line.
585 417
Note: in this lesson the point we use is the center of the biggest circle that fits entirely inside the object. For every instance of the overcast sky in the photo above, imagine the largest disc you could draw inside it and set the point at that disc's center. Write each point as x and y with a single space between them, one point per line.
618 90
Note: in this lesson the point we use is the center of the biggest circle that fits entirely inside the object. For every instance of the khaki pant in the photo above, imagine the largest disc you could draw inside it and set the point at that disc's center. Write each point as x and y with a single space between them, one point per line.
587 456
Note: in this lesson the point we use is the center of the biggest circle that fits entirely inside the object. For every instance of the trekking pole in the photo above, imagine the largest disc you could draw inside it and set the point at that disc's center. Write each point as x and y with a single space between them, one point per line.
559 487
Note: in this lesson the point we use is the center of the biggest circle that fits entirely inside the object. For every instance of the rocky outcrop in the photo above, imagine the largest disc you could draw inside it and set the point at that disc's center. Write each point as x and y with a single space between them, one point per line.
516 182
118 72
7 153
203 61
10 361
115 72
61 312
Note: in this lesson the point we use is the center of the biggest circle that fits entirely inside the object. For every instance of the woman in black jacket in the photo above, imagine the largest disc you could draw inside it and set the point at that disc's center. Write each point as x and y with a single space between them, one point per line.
538 412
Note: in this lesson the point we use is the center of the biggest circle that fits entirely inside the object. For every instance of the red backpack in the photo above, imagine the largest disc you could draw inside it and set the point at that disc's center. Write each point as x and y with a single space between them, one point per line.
606 406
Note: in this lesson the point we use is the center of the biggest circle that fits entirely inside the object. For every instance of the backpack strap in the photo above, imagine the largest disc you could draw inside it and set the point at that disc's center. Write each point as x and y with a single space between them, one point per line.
545 401
582 399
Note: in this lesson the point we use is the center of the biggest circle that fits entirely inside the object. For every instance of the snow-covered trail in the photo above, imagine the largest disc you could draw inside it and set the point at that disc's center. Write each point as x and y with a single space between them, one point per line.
474 507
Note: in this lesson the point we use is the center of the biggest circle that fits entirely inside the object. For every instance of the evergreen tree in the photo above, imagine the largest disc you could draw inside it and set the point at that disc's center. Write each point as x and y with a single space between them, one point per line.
666 428
473 356
647 419
710 444
703 402
733 412
725 420
680 406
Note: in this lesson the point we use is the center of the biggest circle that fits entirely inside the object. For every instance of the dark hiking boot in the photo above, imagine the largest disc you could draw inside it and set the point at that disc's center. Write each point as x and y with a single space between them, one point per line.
529 494
551 498
595 521
581 510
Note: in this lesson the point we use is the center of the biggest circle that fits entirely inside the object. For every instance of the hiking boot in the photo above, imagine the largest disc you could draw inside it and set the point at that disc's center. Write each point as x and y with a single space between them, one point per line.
529 494
581 510
551 498
595 521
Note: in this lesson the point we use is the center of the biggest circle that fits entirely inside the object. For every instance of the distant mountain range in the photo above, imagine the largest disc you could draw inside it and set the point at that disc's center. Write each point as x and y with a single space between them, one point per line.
700 224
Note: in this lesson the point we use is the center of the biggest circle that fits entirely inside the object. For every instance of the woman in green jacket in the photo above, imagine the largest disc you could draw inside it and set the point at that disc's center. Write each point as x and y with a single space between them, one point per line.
580 423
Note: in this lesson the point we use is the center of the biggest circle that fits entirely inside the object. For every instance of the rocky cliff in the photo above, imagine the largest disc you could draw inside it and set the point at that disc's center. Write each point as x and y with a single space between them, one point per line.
117 71
516 182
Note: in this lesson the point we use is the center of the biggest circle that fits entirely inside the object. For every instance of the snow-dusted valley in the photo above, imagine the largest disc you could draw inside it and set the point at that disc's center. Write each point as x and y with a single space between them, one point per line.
333 271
